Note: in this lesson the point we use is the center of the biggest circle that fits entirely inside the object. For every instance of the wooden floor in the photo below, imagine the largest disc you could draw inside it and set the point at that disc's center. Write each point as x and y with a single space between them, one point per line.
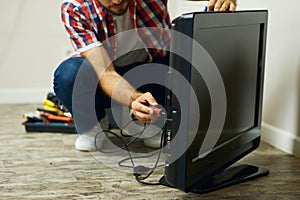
46 166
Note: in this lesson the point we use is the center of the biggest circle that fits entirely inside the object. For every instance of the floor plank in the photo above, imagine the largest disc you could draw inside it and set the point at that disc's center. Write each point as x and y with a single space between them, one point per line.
46 166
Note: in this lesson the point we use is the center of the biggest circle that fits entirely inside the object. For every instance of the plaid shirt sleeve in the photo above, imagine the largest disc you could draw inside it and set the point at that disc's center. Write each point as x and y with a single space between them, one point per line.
79 30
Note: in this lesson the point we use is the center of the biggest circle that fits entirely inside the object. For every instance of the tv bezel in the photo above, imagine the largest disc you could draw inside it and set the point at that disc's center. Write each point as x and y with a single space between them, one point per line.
218 174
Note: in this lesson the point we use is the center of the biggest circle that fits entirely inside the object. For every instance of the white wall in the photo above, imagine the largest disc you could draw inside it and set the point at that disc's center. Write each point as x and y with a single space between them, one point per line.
33 42
178 7
282 92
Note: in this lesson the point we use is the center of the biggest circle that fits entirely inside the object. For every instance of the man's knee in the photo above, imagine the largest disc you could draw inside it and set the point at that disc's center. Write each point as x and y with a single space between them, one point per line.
66 72
64 78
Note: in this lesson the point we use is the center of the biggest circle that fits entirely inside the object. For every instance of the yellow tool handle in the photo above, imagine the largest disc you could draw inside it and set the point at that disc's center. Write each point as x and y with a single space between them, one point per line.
47 102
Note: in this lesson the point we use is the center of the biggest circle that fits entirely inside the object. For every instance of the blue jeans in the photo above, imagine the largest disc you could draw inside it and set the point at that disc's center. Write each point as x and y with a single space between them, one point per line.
76 86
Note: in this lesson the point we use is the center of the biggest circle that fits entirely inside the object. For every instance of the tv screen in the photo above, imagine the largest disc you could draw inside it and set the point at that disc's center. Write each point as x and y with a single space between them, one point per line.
221 56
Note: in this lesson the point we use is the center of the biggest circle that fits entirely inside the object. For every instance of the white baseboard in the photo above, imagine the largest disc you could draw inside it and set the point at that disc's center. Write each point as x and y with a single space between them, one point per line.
23 96
281 139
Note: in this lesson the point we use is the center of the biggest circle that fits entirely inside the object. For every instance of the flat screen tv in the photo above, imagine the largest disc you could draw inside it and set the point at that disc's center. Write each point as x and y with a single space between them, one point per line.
215 119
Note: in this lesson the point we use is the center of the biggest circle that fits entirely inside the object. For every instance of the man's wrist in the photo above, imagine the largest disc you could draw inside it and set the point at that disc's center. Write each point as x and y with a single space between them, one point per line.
136 94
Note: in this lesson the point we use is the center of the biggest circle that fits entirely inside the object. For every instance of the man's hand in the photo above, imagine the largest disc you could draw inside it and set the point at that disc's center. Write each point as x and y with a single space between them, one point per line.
141 107
221 5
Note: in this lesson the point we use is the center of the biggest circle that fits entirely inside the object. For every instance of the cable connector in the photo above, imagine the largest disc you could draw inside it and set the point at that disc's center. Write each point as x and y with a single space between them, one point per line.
157 110
140 169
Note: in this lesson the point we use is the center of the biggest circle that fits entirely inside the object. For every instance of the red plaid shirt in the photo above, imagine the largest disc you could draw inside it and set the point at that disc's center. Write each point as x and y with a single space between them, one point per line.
89 25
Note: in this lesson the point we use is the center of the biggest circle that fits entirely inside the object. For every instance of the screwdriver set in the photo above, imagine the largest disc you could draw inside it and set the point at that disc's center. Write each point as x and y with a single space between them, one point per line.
52 117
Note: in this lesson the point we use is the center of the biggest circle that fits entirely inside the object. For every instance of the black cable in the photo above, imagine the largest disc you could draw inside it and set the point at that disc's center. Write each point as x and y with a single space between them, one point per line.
138 134
124 143
141 179
135 157
137 171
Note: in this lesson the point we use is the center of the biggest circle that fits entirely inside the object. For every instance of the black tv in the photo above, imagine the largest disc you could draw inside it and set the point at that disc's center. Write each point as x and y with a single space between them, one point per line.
232 49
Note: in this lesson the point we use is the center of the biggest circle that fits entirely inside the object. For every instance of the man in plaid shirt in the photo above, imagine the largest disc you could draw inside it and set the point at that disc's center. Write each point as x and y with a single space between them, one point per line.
103 56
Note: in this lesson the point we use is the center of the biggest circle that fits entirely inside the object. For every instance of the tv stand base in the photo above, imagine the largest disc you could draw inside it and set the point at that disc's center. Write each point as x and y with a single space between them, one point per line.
230 176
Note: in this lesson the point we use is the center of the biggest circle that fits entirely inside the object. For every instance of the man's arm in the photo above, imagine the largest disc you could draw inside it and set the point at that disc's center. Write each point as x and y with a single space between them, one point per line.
116 87
221 5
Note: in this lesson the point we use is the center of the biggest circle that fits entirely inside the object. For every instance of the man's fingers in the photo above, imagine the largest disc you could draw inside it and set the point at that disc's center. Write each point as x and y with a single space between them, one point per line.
150 99
221 5
232 7
142 117
218 5
225 6
146 118
211 5
140 107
